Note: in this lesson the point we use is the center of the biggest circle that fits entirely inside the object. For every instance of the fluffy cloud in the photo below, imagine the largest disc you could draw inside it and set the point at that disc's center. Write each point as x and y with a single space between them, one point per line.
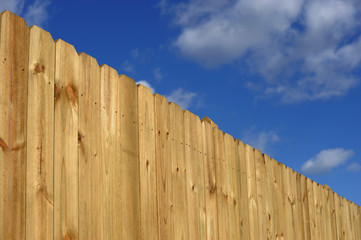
260 140
326 160
179 96
34 12
182 98
157 74
302 50
354 167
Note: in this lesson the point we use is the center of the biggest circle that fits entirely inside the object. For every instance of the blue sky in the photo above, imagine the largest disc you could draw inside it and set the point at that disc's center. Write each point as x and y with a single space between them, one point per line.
281 75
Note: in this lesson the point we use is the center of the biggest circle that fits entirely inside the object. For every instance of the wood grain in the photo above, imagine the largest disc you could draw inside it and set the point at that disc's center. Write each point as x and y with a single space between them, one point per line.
40 136
89 149
147 164
14 56
66 162
127 165
179 184
164 168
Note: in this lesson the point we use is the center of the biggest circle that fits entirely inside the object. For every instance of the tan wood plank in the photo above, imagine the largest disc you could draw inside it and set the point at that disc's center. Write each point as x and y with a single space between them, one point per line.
66 142
243 192
164 168
252 193
293 200
231 184
338 215
192 178
198 150
89 149
305 208
178 172
40 136
279 213
288 200
261 180
127 165
221 179
270 198
312 209
109 131
148 171
318 208
348 223
14 53
299 223
326 212
332 213
210 181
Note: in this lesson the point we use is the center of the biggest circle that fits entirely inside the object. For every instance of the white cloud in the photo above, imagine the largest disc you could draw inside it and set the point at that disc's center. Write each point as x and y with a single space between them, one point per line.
303 50
34 13
127 67
260 140
182 97
147 84
157 74
135 53
326 160
354 167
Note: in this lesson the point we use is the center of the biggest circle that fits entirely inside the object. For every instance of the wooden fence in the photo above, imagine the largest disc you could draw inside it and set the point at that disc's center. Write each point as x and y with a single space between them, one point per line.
88 154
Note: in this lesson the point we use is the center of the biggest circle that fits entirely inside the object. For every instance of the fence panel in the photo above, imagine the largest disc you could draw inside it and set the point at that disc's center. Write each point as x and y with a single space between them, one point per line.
127 166
14 53
66 181
40 136
179 184
109 131
147 164
164 168
261 181
243 191
89 149
231 193
210 181
252 193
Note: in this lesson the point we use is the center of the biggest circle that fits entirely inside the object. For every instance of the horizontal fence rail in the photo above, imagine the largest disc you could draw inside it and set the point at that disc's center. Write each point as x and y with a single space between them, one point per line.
86 153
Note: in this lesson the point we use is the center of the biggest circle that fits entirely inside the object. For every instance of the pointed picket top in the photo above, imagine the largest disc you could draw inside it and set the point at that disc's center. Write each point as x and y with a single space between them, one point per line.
208 120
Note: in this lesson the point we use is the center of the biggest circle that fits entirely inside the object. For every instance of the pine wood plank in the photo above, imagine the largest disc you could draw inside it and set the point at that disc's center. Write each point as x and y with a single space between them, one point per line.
179 185
231 184
192 178
252 193
210 181
197 151
127 165
221 179
89 149
270 198
305 208
312 209
300 223
14 54
261 178
66 163
243 191
40 136
148 171
164 168
338 215
109 131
